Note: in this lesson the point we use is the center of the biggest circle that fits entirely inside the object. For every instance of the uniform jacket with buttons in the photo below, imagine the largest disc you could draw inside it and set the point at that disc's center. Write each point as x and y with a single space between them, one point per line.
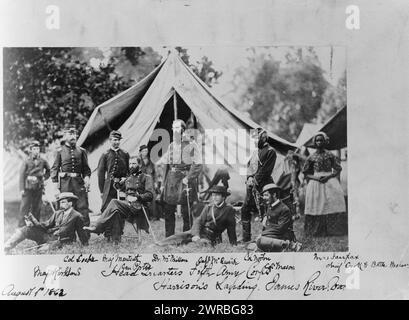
141 184
112 164
34 167
177 169
70 160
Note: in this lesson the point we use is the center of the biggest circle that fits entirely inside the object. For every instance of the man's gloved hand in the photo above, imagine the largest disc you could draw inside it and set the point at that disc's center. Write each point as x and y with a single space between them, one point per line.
195 238
86 183
134 198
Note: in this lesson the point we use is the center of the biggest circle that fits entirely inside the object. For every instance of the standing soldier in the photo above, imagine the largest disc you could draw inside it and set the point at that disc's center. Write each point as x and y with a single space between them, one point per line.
181 178
34 171
71 171
260 168
112 167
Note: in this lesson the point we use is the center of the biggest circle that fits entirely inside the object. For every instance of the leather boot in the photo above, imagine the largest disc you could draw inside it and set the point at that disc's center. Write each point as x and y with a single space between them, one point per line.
267 244
246 231
14 240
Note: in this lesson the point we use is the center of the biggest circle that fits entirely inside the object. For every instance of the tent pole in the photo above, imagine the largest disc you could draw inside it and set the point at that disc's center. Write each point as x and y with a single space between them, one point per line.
175 106
294 184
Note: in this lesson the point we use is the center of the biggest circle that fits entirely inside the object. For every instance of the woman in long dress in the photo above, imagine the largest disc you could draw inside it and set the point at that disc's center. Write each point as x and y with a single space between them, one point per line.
325 209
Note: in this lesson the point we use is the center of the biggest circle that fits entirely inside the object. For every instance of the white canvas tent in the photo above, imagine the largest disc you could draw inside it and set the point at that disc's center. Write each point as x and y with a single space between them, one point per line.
308 130
12 162
149 104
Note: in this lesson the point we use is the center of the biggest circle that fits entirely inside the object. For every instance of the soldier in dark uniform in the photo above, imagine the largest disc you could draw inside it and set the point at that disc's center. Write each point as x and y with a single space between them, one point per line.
34 171
60 229
277 234
71 171
212 222
182 171
260 167
139 192
113 166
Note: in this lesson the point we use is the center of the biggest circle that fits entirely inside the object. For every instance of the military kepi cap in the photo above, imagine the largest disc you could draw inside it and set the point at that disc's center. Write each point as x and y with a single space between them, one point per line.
70 129
115 134
34 143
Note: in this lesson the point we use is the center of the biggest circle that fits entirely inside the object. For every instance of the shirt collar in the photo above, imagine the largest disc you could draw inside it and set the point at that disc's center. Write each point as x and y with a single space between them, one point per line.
220 205
67 212
68 145
275 203
115 150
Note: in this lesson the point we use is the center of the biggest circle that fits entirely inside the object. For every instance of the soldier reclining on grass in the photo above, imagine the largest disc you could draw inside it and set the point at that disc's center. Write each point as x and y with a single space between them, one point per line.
139 191
209 226
56 231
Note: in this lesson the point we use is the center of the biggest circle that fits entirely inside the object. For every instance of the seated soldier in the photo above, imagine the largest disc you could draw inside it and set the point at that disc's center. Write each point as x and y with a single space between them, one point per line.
138 188
209 226
277 234
58 230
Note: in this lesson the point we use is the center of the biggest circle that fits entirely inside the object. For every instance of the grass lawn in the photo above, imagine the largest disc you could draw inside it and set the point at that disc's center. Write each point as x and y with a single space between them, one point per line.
130 243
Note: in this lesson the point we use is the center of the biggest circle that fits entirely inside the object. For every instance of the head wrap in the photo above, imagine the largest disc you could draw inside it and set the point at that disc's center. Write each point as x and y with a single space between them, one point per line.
323 134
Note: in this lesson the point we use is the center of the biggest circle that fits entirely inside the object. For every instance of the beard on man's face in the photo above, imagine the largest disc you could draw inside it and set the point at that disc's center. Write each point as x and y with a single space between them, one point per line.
71 139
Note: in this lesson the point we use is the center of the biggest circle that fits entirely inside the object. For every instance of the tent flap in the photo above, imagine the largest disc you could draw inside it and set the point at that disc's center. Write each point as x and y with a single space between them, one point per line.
336 129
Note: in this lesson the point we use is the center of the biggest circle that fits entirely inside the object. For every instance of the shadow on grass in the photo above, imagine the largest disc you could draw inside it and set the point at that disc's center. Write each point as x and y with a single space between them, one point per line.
130 243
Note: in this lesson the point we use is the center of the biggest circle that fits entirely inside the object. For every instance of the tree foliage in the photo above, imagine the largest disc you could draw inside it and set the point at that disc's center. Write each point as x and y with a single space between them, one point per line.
48 88
334 98
282 96
204 68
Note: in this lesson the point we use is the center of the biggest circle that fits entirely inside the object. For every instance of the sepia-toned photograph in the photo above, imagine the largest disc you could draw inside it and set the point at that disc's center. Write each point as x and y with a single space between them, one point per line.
184 149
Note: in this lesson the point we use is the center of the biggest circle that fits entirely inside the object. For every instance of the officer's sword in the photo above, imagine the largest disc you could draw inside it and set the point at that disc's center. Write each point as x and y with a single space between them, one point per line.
149 224
43 244
256 200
